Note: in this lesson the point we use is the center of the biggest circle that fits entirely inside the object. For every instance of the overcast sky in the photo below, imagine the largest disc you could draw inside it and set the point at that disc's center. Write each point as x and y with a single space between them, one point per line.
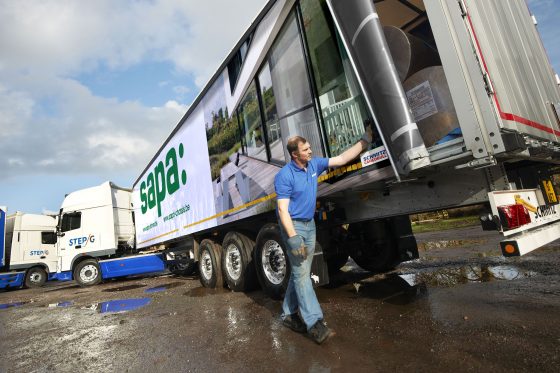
90 89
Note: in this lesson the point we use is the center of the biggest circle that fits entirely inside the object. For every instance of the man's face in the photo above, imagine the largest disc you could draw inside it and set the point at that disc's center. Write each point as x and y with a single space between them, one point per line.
303 154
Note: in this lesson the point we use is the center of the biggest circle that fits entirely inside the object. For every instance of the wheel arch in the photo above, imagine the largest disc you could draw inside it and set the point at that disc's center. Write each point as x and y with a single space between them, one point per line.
77 260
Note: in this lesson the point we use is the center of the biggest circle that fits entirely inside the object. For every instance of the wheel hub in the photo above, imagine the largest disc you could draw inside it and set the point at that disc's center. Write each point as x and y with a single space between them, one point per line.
89 273
233 262
206 266
273 262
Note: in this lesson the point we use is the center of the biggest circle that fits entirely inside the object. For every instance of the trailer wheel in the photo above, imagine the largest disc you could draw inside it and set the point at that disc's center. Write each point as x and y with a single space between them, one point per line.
377 251
87 273
210 264
35 277
237 262
376 258
271 261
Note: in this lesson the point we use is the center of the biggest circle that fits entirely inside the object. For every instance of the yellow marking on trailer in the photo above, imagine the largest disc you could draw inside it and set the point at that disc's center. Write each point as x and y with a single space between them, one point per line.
161 235
240 207
521 201
320 179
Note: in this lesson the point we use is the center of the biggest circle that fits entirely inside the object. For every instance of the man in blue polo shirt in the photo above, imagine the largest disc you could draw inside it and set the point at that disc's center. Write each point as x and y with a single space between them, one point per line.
296 189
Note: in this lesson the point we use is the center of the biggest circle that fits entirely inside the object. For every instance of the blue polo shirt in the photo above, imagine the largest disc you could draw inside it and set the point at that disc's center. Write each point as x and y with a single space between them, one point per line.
300 187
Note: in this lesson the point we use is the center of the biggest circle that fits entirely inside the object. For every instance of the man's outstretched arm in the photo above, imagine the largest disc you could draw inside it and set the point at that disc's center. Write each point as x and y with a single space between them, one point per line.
353 151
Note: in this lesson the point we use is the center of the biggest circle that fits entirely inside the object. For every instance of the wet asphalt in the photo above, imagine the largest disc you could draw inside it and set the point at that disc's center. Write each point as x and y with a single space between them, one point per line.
461 307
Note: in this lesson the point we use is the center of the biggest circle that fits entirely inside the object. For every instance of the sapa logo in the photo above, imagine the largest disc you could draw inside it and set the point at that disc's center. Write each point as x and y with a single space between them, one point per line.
163 181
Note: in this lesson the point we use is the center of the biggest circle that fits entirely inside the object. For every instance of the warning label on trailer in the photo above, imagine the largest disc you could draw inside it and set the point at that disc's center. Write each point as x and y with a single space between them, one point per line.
549 192
421 101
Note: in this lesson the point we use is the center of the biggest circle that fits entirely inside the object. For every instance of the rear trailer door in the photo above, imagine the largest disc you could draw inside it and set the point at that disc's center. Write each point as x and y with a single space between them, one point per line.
522 80
496 49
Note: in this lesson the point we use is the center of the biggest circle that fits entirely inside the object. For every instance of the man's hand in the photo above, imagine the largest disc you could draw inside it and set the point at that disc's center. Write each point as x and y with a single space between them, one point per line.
368 135
297 247
354 151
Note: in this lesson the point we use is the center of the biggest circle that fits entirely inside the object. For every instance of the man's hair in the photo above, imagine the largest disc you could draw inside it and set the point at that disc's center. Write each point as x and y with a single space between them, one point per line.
293 144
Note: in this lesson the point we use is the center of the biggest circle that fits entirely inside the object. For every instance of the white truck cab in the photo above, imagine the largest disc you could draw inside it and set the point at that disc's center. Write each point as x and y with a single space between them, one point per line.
30 245
95 222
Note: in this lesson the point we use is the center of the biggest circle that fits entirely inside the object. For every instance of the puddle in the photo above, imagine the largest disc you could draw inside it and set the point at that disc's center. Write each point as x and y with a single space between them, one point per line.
405 288
119 305
11 305
392 289
202 292
462 275
60 304
431 245
163 287
124 288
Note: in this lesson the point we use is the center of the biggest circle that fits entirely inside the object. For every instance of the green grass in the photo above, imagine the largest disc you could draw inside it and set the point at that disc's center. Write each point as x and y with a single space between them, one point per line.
443 224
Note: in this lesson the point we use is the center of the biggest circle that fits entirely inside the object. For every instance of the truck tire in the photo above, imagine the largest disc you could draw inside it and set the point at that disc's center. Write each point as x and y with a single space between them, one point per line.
35 277
237 262
271 262
210 264
87 273
376 253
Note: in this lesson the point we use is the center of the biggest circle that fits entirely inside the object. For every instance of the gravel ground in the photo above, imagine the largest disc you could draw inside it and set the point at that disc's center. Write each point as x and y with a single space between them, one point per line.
461 307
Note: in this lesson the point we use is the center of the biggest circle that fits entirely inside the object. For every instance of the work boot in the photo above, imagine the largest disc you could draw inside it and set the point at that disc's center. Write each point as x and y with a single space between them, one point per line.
295 323
320 332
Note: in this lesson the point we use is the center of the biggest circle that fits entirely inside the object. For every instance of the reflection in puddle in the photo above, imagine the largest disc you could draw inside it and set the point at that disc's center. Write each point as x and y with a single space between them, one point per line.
124 288
11 305
61 304
163 287
402 289
119 305
462 275
202 292
431 245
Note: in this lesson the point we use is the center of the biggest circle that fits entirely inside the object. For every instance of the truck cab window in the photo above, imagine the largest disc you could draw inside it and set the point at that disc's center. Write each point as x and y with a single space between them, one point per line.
48 238
71 221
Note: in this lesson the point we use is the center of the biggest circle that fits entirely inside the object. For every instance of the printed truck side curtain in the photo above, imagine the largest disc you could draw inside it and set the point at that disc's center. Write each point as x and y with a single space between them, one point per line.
176 190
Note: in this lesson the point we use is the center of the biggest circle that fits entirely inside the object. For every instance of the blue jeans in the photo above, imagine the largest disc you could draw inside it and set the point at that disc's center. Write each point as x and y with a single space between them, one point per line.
300 293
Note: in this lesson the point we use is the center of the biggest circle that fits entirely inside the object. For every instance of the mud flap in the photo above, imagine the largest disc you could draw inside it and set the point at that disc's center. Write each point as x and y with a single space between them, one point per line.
319 269
406 242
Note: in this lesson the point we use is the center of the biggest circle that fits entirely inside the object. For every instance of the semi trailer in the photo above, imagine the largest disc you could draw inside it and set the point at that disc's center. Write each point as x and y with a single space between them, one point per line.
464 107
